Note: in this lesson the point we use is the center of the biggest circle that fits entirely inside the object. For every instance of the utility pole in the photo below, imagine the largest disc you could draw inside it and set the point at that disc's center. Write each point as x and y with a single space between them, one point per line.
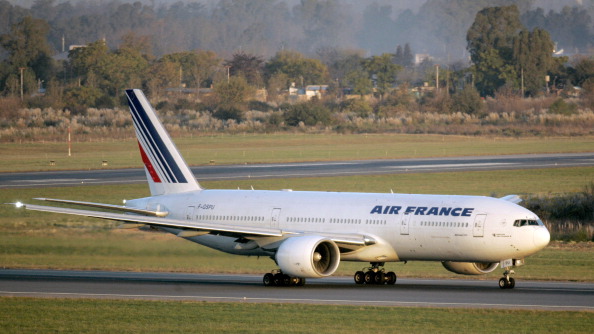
227 67
522 81
436 78
21 69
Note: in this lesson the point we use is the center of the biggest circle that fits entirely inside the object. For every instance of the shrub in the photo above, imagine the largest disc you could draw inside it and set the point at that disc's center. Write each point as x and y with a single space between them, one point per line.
467 101
563 108
310 113
229 113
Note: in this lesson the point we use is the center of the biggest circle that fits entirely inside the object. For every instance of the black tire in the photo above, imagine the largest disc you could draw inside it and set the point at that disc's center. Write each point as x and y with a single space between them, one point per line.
503 283
359 277
278 279
369 277
300 281
268 279
512 283
286 280
380 278
391 278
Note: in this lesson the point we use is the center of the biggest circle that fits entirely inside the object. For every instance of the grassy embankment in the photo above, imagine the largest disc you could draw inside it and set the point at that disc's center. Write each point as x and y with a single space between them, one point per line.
25 315
225 149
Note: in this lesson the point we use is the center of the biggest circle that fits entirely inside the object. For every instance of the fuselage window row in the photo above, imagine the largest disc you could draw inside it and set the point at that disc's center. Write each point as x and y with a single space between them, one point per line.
443 224
230 218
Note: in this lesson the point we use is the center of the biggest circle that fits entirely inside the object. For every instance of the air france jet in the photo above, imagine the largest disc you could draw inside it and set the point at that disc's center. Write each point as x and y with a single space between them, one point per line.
308 233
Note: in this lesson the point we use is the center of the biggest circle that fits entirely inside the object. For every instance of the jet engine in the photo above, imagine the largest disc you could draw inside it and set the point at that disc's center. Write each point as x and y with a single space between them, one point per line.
470 268
308 256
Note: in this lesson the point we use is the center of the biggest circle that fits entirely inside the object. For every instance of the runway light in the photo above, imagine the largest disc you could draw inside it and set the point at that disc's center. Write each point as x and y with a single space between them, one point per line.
19 204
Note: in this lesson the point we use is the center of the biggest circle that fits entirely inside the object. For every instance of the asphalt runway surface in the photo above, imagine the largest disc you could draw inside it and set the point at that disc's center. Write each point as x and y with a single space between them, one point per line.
303 169
413 292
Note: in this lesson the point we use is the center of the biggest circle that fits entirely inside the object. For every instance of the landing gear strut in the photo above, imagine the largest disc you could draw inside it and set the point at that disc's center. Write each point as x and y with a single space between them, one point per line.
277 278
375 275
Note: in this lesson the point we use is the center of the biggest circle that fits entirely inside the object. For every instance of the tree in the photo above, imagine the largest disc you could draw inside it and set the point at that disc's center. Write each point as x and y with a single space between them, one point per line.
303 71
360 82
229 98
85 60
248 66
198 67
533 57
490 43
403 56
27 47
382 71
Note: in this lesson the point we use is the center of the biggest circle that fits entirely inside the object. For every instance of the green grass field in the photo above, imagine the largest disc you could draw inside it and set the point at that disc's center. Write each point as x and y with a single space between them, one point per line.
41 240
260 148
27 315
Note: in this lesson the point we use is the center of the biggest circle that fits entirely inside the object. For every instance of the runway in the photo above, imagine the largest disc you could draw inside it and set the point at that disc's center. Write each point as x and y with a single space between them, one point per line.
413 292
303 169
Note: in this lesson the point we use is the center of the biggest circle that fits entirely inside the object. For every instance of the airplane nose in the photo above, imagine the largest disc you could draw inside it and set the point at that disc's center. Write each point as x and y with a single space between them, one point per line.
541 237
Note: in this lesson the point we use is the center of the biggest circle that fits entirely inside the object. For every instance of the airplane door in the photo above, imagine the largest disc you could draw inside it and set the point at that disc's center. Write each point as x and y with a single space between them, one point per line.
479 225
275 217
189 212
404 224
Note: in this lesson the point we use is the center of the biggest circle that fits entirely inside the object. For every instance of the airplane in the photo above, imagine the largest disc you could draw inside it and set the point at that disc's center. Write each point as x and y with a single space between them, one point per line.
308 233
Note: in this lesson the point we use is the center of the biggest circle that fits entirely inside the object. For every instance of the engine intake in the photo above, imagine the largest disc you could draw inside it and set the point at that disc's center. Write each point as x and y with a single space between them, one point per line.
470 268
308 256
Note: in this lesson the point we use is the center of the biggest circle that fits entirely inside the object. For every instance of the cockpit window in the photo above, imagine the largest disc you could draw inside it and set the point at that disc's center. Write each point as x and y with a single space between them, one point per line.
526 222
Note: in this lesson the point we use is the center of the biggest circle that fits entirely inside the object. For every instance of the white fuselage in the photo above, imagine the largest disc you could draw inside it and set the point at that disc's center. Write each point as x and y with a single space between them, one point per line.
405 227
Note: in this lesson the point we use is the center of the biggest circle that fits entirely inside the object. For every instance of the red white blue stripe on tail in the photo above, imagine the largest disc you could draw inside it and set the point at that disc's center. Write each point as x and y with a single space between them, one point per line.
166 170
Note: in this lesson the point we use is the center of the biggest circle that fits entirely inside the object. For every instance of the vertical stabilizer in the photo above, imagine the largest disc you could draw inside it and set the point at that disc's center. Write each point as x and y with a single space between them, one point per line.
166 170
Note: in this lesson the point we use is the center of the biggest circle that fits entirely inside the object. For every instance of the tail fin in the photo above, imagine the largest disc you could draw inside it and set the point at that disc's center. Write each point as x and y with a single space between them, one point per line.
166 170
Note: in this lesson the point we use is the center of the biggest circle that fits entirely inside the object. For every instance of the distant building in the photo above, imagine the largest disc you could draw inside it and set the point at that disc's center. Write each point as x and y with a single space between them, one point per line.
421 57
307 93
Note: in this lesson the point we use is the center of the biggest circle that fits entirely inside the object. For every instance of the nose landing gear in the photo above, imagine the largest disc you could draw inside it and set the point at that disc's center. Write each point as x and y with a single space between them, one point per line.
507 282
375 275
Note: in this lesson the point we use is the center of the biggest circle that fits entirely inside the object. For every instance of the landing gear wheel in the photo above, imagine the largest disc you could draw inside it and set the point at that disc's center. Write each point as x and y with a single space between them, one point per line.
277 278
300 281
380 278
369 277
359 277
285 280
507 283
268 279
391 278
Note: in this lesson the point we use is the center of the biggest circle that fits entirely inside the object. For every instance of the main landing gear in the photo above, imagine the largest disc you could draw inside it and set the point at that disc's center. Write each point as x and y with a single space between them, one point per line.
277 278
375 275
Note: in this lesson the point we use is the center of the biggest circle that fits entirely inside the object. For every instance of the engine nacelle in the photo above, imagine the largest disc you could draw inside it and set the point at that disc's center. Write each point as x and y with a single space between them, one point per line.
470 268
308 256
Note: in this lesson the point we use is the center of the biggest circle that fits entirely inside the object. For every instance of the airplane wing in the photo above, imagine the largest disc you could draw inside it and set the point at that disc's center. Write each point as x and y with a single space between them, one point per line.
137 218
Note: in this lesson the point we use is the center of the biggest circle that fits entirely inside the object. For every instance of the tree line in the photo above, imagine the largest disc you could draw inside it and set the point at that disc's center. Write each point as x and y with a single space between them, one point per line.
437 27
506 57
